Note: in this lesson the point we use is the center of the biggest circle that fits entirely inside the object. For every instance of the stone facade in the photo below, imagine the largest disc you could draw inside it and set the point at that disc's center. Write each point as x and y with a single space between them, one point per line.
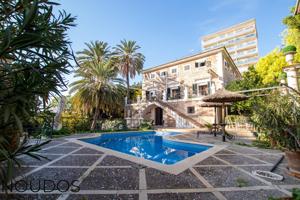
292 76
182 84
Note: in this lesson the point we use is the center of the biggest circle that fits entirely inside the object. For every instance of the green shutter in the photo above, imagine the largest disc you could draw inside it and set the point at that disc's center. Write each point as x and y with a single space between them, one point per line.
168 93
194 88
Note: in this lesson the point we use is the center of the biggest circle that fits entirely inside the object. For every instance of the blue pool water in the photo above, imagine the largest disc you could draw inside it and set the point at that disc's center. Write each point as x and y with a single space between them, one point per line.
149 145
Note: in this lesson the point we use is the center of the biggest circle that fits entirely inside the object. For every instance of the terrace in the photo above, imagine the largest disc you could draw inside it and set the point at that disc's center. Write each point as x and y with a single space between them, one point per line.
223 175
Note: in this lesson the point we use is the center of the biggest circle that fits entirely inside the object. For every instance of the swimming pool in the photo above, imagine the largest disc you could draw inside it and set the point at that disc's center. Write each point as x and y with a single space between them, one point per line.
149 145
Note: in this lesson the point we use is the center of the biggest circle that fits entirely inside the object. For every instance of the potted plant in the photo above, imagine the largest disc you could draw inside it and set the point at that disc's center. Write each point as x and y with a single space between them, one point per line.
289 52
209 126
279 117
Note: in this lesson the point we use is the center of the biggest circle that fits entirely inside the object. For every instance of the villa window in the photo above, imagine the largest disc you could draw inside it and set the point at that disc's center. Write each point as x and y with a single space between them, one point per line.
174 70
203 90
164 73
191 109
187 67
175 93
200 64
152 75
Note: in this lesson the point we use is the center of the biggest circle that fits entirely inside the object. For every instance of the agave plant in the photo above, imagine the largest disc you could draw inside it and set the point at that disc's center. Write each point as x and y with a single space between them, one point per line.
9 158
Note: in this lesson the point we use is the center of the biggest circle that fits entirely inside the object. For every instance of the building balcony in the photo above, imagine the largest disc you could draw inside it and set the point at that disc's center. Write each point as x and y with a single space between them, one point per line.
230 38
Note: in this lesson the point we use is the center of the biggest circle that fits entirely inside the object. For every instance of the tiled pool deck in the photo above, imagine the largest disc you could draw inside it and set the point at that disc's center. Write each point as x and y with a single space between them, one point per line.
224 175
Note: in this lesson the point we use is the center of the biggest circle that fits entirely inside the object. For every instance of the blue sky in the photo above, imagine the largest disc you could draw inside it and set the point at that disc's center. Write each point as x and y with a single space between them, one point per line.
170 29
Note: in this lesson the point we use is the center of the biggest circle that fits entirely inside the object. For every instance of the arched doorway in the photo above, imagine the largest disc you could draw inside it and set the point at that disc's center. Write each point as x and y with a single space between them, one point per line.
158 116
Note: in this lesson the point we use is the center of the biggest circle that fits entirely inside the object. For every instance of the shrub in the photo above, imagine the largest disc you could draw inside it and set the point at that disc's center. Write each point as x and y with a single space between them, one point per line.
237 119
75 123
289 49
114 125
145 125
279 117
62 131
264 144
209 126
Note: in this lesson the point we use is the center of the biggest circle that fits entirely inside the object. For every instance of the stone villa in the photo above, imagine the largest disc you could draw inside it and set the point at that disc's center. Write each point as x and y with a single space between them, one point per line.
172 92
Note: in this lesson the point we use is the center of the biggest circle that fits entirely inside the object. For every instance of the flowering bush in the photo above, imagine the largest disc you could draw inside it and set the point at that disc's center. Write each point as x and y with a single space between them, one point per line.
114 125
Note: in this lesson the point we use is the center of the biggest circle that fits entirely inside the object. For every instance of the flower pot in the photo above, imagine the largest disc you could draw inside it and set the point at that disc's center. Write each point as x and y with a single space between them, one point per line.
293 158
289 57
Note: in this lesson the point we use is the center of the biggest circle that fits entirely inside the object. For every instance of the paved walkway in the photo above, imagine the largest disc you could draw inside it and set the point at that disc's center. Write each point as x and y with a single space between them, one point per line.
225 175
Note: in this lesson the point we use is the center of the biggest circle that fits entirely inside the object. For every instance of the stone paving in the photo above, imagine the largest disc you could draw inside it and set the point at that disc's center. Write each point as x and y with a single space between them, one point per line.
224 175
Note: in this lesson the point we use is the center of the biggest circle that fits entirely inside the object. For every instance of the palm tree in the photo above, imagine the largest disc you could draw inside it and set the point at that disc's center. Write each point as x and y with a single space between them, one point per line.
129 61
98 87
96 51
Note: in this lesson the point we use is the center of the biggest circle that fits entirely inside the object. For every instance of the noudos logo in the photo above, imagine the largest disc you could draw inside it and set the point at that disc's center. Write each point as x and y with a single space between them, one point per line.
43 185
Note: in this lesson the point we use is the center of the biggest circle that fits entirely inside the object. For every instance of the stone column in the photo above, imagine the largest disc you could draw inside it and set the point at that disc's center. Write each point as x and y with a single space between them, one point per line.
143 95
164 95
212 87
125 101
186 92
138 99
125 107
292 76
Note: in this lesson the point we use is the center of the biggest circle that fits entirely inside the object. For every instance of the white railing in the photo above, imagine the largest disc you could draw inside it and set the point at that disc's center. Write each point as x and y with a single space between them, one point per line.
180 121
232 35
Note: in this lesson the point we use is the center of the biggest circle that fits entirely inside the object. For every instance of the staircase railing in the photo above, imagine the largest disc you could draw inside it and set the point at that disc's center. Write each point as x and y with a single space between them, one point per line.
182 115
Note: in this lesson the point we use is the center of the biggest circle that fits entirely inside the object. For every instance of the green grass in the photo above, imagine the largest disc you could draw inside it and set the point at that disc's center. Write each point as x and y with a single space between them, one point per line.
243 144
241 182
262 144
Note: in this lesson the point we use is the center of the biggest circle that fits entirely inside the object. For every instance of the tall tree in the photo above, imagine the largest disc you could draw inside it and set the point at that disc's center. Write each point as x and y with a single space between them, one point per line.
251 80
96 51
270 66
291 36
34 56
98 88
129 61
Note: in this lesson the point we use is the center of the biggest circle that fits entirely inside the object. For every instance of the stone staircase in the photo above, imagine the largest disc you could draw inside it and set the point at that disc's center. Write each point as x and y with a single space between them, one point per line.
182 120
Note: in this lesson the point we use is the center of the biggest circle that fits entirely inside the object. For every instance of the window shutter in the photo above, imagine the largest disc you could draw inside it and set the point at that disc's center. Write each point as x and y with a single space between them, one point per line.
194 88
208 85
196 64
168 93
178 94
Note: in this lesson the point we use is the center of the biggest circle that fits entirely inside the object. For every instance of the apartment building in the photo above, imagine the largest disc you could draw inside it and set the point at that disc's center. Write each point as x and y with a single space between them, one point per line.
240 40
172 93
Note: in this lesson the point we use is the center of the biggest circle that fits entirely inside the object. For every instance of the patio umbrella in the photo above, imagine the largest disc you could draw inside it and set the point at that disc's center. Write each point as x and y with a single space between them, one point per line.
214 105
224 96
